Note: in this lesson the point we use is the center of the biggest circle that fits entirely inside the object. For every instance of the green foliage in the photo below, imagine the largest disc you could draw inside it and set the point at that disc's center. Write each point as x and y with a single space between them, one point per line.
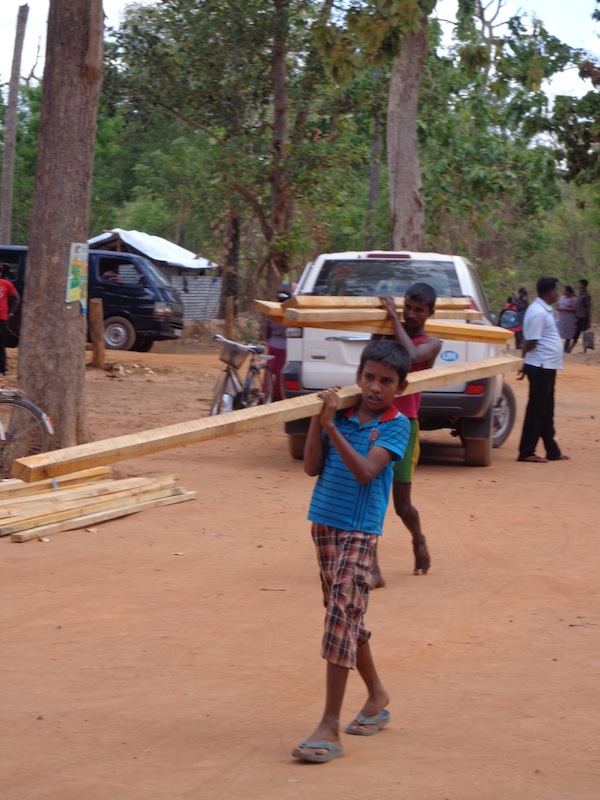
576 122
185 137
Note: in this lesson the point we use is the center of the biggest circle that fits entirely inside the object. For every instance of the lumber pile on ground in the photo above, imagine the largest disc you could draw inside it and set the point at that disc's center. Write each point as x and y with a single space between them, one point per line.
78 500
450 321
141 443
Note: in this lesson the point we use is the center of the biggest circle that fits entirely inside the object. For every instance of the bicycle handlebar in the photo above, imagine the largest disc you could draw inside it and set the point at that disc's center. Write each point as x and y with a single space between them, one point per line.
256 349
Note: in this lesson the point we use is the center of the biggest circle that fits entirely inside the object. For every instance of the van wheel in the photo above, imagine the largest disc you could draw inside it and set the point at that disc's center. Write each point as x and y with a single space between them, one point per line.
142 345
119 333
296 442
504 415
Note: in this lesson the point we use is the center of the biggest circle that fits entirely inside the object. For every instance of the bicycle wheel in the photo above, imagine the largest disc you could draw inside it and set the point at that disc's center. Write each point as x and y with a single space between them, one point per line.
22 432
259 386
224 395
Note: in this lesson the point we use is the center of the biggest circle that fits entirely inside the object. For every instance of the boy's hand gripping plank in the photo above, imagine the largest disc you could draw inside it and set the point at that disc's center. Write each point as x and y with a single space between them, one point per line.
133 445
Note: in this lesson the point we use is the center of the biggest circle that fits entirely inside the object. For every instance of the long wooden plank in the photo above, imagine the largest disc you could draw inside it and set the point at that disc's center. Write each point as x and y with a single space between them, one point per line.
102 516
485 334
316 301
12 487
324 315
134 445
308 302
449 330
117 500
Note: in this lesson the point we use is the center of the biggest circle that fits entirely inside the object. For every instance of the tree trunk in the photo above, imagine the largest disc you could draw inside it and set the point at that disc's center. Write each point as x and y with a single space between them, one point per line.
230 269
281 203
407 208
53 332
10 131
371 235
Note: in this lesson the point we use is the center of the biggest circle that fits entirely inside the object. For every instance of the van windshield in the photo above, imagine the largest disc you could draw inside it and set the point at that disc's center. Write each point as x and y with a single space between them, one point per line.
158 279
374 277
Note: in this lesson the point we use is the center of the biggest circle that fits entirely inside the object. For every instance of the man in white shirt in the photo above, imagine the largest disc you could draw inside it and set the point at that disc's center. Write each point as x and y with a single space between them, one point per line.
543 355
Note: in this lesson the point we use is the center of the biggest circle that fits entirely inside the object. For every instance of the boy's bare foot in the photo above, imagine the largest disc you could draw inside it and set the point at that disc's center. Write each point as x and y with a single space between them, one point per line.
378 581
422 558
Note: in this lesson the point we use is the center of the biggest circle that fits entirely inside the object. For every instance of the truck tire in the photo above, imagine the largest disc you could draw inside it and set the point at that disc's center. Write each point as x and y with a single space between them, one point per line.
504 415
296 442
119 333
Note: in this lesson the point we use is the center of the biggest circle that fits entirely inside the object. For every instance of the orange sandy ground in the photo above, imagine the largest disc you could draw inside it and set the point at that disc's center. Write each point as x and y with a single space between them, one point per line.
173 654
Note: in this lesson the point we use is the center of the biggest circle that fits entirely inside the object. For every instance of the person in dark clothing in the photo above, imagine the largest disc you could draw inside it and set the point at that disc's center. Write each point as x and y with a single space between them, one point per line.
583 311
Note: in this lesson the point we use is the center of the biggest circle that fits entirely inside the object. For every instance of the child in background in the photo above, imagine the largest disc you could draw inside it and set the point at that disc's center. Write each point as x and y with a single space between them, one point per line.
419 302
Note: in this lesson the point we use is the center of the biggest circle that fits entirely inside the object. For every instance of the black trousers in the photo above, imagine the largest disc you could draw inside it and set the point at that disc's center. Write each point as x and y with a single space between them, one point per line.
539 416
581 324
3 340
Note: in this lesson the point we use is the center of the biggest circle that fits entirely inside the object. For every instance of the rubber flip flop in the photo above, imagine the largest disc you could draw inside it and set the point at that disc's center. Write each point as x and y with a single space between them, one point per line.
375 723
534 460
333 751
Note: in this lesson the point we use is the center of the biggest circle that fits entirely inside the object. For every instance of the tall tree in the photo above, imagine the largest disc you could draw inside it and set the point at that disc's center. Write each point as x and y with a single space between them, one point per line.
10 131
51 365
223 68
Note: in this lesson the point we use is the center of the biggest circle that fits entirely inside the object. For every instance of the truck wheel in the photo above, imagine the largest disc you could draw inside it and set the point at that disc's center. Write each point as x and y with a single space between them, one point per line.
119 333
504 415
296 442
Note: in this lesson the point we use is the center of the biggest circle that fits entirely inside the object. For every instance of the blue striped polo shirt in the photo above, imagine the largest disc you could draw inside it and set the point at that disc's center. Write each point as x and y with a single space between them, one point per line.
338 498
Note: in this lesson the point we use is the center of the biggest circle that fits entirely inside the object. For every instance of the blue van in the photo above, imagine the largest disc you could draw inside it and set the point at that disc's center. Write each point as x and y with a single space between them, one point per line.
139 306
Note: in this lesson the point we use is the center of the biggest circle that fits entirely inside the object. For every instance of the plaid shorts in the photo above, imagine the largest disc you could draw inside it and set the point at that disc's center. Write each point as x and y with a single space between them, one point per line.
346 561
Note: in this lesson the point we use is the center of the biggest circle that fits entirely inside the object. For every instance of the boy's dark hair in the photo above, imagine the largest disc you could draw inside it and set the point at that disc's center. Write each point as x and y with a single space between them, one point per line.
569 288
584 282
423 293
545 285
387 352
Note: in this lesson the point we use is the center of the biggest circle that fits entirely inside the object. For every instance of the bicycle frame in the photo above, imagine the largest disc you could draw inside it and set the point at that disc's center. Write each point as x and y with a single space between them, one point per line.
231 389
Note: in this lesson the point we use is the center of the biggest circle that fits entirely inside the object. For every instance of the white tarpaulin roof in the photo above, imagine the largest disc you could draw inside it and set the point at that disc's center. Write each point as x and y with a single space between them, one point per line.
153 247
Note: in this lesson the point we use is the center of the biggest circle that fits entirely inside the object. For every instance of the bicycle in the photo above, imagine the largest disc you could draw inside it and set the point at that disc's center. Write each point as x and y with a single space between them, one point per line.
25 429
231 390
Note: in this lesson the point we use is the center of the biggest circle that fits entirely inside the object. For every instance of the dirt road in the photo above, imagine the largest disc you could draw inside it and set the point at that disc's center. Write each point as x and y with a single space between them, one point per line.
173 654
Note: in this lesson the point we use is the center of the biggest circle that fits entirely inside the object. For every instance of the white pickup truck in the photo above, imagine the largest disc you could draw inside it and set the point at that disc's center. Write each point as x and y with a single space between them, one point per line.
480 412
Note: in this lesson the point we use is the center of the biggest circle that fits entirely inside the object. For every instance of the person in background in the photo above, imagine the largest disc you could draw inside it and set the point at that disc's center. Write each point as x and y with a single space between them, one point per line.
583 312
565 307
276 347
521 302
111 276
543 355
9 302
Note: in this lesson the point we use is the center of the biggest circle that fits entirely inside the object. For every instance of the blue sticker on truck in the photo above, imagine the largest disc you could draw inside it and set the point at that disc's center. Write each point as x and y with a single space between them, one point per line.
449 355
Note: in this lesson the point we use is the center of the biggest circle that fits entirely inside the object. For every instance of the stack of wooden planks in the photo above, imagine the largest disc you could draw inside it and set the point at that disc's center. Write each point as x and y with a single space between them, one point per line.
77 500
367 315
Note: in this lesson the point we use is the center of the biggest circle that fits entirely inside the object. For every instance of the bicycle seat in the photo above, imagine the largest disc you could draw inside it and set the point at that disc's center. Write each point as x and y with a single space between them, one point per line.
257 349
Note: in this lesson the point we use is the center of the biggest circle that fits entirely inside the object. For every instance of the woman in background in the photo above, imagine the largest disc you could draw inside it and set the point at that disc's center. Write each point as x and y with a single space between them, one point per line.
276 347
566 322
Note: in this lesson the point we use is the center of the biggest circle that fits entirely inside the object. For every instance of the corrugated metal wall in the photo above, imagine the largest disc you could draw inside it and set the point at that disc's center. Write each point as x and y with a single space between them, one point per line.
200 293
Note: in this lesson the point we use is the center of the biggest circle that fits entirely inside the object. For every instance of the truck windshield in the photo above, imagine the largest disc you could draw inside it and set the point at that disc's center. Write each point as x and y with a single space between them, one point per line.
372 277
